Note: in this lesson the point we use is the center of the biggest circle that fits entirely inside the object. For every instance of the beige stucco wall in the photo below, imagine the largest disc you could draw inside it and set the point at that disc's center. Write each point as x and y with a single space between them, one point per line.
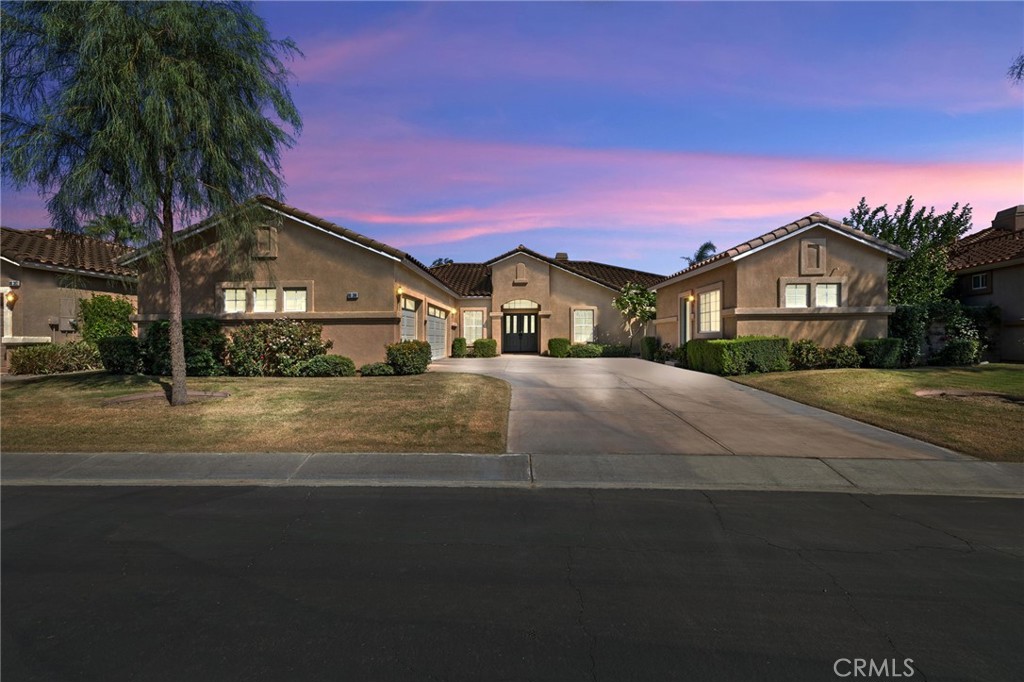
669 296
1007 292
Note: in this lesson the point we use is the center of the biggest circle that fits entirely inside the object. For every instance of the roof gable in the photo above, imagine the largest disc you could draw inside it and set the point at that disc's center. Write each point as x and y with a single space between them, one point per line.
611 276
53 248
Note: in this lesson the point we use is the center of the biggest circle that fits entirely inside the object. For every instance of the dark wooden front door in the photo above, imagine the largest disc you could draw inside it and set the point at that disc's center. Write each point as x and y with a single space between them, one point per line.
520 333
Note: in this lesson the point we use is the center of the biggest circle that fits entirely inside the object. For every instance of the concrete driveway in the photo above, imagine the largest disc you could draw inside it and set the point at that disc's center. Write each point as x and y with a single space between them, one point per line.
630 406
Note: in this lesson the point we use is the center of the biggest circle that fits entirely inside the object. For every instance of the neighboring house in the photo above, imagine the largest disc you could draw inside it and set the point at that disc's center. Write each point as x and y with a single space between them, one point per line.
816 278
989 266
367 294
47 272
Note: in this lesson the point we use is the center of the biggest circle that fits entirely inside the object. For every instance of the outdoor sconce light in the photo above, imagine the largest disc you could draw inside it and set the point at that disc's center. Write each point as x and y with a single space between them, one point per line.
400 290
10 298
453 311
690 298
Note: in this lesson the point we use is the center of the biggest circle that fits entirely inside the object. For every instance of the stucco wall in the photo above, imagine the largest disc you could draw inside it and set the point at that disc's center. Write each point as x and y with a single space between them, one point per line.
668 302
1007 292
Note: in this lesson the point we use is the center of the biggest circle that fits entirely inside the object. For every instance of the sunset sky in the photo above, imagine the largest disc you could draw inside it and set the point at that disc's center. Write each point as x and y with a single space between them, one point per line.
631 132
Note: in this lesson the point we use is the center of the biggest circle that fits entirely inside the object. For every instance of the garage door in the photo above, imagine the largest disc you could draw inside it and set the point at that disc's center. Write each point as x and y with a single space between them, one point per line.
408 319
436 327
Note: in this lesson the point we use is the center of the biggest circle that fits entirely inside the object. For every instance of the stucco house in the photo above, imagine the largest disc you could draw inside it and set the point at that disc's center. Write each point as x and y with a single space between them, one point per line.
816 278
367 294
989 266
44 273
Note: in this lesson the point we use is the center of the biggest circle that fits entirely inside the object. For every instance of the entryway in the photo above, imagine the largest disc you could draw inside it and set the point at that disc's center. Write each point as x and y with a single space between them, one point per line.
520 335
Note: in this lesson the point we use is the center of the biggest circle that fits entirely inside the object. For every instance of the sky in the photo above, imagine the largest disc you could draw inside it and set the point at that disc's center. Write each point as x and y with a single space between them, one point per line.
630 133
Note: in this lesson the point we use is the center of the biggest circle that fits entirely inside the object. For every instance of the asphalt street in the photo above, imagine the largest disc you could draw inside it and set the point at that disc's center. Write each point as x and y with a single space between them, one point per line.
262 583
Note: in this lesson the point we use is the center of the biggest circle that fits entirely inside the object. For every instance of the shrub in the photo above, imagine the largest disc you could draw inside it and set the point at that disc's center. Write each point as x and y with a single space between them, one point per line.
486 348
806 354
121 354
910 323
205 344
615 350
326 366
104 316
960 352
679 356
377 369
585 350
842 357
459 348
739 356
649 347
559 348
409 357
54 358
881 353
274 348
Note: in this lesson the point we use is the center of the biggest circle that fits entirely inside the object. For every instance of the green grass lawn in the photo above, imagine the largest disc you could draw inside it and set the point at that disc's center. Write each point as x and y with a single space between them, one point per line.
987 427
434 412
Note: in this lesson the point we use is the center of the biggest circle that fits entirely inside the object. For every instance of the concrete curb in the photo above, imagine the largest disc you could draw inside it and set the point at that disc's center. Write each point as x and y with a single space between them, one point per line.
651 471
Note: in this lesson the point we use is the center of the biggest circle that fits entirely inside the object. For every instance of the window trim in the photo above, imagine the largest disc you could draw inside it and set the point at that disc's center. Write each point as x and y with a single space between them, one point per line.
483 325
278 288
698 332
812 283
985 289
284 299
593 322
806 286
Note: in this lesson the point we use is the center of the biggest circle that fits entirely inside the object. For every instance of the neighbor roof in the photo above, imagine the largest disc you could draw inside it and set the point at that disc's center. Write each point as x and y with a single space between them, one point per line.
780 233
64 250
474 279
1002 242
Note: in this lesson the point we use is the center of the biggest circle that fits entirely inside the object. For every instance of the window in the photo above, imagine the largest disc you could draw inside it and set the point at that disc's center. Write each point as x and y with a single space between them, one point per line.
582 326
520 304
295 300
710 311
796 295
979 281
473 325
234 300
434 311
409 304
264 300
826 295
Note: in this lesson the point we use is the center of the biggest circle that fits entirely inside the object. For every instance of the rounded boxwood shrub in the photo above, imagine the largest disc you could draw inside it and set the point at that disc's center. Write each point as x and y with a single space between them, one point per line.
459 348
486 348
55 358
881 353
326 366
377 369
806 354
585 350
615 350
409 357
205 345
842 357
276 348
559 348
120 354
960 352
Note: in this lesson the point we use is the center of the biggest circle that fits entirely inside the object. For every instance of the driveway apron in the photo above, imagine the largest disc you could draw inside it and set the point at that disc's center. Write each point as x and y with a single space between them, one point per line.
630 406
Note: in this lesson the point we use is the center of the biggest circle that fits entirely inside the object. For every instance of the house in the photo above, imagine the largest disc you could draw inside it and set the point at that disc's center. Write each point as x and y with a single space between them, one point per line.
815 278
989 268
44 273
367 294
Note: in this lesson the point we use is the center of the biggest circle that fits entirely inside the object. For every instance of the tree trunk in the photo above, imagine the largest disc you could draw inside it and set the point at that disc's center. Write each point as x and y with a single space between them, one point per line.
179 394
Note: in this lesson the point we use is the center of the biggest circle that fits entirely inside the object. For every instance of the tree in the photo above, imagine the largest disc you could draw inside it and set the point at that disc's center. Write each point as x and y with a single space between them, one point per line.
441 261
116 228
924 276
163 111
637 304
1016 70
705 251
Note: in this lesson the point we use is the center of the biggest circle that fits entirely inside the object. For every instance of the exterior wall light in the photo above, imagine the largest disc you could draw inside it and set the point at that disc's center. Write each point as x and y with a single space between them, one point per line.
690 298
400 290
10 298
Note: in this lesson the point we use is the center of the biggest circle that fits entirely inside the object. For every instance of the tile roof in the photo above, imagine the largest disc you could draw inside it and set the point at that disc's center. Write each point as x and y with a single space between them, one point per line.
474 279
65 250
815 218
987 247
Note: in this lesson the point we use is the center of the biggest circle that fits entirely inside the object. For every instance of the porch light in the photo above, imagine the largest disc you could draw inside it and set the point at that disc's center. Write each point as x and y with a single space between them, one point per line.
690 298
453 311
11 298
400 290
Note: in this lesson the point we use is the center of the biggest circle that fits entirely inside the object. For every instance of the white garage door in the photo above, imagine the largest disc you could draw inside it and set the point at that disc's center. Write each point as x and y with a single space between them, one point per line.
436 336
408 325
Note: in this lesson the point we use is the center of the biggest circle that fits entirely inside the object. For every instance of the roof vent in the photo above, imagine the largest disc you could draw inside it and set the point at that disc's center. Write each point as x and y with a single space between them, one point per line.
561 255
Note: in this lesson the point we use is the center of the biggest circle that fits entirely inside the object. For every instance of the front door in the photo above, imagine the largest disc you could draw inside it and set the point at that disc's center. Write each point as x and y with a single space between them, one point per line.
520 333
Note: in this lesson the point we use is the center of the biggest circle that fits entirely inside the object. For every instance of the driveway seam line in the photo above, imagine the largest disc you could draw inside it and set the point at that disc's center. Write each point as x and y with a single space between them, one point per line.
680 418
301 464
838 473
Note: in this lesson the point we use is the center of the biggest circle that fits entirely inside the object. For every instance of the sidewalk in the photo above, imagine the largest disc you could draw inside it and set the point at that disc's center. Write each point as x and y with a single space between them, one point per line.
647 471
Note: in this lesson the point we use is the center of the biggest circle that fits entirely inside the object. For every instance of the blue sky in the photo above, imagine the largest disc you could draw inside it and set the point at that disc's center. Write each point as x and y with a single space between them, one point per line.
632 132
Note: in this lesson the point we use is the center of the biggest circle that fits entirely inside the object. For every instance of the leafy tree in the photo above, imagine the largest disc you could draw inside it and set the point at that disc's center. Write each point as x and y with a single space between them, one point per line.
705 251
441 261
1016 70
924 276
636 303
165 111
115 228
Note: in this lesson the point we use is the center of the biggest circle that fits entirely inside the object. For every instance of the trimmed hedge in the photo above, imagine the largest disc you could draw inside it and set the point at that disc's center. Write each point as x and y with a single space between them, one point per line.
649 347
459 348
881 353
559 348
960 352
409 357
377 369
121 354
485 348
739 356
585 350
842 357
205 346
615 350
326 366
55 358
806 354
679 356
276 348
103 316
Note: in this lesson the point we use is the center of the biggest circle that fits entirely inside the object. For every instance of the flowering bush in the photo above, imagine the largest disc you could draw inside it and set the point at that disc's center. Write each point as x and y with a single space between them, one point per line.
274 348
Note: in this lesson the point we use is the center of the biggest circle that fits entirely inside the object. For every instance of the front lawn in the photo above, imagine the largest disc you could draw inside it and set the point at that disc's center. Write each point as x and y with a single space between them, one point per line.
435 412
983 426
